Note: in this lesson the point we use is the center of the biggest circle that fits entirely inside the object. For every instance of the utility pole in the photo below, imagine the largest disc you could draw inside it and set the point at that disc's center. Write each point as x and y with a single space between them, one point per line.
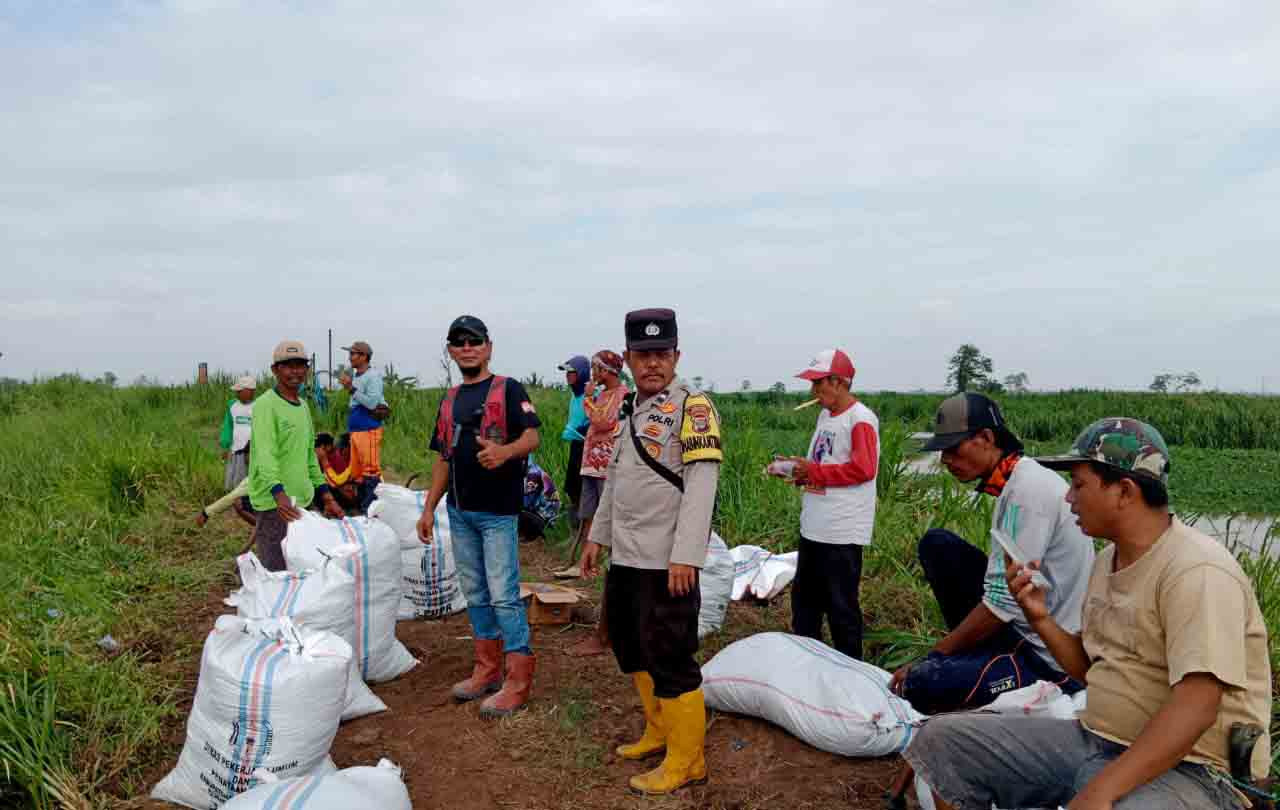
329 383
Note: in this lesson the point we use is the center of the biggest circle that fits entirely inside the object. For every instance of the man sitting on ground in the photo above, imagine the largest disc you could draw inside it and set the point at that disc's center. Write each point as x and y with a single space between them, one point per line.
991 648
335 463
1173 648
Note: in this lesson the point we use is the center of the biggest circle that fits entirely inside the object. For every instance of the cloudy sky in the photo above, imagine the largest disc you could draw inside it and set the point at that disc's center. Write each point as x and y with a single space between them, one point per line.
1089 191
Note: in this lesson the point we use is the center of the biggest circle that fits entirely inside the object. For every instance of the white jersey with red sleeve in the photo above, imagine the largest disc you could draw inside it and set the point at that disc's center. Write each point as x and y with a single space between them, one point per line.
840 497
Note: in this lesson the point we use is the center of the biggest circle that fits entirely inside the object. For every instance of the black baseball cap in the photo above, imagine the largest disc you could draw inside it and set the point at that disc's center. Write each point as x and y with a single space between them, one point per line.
960 417
470 324
649 329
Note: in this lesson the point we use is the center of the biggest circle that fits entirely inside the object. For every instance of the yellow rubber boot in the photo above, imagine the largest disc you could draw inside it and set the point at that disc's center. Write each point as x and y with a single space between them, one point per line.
654 738
685 719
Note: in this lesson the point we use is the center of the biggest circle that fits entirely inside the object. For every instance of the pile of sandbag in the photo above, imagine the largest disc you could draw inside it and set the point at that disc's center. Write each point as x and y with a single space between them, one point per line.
269 699
318 599
760 572
380 787
819 695
429 586
374 564
716 584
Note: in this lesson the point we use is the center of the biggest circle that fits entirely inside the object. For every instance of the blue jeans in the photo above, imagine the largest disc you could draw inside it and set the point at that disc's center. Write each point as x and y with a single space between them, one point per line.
485 547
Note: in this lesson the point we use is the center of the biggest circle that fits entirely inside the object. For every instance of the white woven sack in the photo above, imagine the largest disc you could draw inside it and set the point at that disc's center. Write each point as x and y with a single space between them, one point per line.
716 584
430 588
380 787
269 698
318 599
400 507
761 573
829 700
376 570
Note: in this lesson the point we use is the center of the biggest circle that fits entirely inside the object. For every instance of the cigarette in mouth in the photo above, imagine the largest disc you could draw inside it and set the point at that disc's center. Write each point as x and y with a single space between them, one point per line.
804 405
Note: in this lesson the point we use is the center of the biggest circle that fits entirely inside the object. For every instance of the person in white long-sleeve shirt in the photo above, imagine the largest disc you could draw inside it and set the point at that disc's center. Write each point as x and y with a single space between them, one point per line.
839 510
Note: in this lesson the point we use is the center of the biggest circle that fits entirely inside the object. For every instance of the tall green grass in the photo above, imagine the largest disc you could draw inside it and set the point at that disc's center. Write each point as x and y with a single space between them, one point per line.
101 485
91 547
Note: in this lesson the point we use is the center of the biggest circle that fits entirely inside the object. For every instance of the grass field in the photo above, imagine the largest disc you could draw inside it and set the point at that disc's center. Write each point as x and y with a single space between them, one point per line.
102 485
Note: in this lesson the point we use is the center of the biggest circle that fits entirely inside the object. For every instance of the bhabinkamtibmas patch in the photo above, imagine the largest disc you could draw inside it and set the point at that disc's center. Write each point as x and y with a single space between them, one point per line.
700 431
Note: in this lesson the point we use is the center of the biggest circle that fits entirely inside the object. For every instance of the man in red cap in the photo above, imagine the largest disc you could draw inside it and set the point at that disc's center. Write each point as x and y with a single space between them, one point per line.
839 509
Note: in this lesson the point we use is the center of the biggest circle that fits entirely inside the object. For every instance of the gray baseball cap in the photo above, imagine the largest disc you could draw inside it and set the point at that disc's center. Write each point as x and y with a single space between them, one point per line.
960 417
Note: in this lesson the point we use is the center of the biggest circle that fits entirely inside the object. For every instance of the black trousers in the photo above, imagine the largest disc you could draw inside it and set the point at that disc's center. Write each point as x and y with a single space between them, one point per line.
828 577
573 473
955 569
653 631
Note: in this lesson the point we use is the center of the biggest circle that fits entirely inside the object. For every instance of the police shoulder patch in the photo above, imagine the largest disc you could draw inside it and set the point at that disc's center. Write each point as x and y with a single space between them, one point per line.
700 430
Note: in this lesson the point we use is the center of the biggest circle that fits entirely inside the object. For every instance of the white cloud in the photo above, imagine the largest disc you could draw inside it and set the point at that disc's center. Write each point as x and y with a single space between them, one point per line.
890 178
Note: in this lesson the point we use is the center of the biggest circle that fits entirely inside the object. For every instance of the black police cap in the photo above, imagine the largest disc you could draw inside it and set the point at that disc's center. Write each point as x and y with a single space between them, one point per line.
649 329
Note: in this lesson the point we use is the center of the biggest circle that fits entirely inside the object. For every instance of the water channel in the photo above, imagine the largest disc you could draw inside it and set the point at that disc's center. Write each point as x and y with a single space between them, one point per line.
1236 531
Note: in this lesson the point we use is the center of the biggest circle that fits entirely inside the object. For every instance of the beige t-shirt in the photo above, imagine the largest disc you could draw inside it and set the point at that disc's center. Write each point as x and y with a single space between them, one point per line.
1185 607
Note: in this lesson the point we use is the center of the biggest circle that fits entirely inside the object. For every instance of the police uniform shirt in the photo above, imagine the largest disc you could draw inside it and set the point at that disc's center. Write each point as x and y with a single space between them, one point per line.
642 517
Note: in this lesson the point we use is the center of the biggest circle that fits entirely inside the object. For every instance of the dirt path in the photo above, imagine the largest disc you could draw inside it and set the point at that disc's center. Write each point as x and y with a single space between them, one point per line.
559 753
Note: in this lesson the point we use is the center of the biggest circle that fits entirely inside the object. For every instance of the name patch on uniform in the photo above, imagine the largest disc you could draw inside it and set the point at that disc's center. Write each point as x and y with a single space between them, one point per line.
700 431
701 443
658 418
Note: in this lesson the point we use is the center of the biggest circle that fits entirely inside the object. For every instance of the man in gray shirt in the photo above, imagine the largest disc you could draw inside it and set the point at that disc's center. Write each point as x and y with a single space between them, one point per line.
990 647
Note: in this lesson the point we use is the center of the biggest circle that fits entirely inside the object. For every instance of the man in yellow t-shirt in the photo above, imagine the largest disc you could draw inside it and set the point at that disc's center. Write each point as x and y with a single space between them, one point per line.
1172 649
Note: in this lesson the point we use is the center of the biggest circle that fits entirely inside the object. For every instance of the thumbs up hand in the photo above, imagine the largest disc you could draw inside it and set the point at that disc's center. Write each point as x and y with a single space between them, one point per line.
492 455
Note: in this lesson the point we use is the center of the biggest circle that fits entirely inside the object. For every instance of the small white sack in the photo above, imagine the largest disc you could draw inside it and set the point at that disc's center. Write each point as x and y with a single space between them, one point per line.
1041 698
760 572
827 699
380 787
430 586
376 570
269 699
318 599
716 584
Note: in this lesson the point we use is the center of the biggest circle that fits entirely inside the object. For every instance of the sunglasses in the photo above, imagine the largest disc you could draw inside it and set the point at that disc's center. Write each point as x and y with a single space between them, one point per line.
473 342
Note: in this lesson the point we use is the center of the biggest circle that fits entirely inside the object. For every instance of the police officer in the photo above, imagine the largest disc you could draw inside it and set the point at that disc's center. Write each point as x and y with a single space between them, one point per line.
655 516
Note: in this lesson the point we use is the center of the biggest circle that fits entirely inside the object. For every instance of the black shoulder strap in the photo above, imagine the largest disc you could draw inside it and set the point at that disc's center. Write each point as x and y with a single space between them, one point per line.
667 475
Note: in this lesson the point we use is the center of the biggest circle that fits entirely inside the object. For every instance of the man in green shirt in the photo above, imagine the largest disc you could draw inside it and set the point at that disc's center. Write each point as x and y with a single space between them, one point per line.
283 469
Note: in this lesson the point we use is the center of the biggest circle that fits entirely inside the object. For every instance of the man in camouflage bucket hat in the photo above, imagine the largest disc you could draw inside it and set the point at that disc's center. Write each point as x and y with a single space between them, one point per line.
1120 442
1172 646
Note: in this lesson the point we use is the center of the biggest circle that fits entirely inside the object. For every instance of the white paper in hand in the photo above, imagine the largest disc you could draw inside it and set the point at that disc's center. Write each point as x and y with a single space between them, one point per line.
1019 557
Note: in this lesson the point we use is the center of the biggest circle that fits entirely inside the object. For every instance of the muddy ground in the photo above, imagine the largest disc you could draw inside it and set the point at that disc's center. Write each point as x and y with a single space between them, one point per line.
559 753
